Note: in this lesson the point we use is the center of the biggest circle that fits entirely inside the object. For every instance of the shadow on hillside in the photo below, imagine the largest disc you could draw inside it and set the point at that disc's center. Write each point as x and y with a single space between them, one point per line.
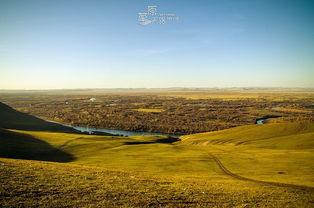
169 140
13 119
21 146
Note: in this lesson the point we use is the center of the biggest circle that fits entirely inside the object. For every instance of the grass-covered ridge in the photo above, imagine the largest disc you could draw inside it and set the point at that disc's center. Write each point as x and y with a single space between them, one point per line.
272 152
277 135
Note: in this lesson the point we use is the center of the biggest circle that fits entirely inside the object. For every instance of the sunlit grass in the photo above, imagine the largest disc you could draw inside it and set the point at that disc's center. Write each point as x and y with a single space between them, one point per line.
45 184
143 171
272 152
150 110
254 144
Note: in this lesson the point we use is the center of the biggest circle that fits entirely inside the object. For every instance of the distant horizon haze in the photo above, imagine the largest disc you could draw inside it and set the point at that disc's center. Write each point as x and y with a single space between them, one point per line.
162 88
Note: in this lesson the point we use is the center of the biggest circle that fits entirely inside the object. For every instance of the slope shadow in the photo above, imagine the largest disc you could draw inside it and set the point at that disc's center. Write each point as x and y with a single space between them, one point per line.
13 119
168 140
22 146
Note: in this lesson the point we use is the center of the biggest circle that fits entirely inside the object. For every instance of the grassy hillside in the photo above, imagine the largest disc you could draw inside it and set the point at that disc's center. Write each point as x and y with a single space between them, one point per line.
271 152
41 184
265 158
251 166
12 119
149 154
273 136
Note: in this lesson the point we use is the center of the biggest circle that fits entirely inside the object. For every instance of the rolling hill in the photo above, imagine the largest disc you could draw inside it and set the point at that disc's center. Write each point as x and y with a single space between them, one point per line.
273 136
251 166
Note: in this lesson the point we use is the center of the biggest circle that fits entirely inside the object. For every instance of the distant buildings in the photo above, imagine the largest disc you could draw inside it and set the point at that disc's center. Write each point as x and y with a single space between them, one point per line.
92 99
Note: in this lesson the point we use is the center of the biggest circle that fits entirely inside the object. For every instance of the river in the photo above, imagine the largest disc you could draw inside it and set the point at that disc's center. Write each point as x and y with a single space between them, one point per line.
260 121
114 132
91 130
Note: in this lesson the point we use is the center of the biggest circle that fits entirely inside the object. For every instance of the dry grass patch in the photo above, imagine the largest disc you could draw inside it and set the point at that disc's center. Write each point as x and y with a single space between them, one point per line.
150 110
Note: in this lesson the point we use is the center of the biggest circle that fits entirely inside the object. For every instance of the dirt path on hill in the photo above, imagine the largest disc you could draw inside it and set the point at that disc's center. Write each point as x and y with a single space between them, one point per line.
233 175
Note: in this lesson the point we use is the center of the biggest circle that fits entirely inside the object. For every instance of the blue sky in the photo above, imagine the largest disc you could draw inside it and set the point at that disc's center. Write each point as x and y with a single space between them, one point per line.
99 44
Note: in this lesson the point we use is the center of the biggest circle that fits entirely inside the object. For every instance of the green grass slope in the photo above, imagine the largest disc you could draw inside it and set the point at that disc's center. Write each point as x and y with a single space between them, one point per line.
154 155
149 155
44 184
282 152
277 135
155 171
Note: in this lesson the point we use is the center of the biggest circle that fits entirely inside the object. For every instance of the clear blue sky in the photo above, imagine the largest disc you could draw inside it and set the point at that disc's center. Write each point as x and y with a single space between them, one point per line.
99 44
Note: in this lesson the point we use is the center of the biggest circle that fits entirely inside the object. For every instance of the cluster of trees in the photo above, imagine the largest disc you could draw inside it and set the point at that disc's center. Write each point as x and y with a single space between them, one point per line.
179 115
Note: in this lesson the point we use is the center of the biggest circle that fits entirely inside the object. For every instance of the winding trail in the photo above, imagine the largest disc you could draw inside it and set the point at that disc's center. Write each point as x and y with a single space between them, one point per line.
233 175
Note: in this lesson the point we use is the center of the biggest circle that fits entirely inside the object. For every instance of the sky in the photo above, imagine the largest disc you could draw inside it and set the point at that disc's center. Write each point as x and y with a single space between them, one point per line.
67 44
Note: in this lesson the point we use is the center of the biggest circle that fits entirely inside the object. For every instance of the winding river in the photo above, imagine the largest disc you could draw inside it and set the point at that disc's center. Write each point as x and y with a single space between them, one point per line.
114 132
91 130
264 119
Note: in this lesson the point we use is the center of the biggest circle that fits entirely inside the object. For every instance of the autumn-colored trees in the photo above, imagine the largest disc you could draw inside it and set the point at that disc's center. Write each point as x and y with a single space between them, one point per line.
178 115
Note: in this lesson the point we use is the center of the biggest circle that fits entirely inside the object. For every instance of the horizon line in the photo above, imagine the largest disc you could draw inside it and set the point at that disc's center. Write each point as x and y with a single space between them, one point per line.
156 88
